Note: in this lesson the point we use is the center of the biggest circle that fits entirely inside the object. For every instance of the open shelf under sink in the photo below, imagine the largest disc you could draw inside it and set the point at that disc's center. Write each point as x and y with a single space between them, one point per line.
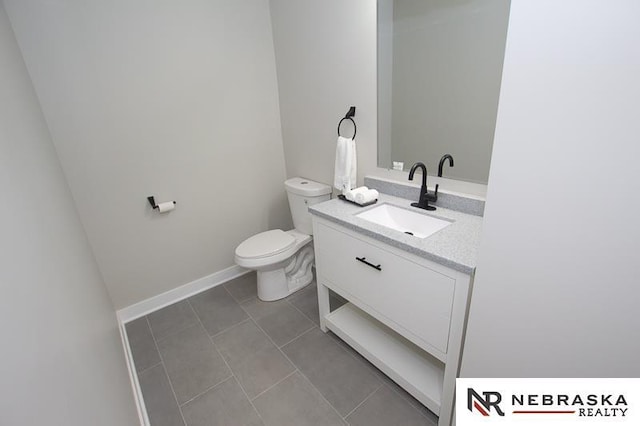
412 368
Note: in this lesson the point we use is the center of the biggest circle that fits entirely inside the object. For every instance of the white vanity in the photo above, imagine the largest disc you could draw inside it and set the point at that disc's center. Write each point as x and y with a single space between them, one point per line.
408 296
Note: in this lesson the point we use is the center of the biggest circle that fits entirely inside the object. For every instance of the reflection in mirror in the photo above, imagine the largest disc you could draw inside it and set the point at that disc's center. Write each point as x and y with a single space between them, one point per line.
439 71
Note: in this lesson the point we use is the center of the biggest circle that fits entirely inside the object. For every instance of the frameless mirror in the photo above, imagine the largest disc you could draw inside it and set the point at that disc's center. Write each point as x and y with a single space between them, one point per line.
439 72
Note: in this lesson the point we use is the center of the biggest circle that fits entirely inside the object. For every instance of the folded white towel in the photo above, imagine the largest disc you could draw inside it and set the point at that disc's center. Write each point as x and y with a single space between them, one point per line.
351 195
346 164
366 196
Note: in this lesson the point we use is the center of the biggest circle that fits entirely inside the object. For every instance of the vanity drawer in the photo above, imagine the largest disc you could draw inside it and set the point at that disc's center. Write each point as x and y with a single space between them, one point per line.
403 293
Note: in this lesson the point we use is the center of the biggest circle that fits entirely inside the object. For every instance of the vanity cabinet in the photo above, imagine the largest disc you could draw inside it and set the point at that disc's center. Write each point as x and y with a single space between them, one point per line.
405 314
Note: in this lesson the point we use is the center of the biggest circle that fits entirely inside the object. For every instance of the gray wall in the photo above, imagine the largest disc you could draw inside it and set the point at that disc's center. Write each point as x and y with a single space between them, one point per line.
61 361
172 99
556 291
326 61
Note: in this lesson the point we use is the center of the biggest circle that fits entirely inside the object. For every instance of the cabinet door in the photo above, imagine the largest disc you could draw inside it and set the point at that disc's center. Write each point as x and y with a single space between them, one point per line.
402 293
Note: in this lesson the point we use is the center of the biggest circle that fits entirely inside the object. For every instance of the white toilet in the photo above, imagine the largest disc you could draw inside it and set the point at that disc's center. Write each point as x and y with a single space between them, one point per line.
282 259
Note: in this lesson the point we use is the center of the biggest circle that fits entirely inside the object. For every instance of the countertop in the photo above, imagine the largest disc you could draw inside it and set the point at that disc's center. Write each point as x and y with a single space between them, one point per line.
455 246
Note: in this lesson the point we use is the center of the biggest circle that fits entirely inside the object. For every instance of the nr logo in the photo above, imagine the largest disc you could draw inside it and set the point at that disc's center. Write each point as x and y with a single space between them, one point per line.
484 404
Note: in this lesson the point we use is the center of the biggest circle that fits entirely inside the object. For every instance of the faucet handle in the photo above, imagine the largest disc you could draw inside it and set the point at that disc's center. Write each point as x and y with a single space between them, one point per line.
432 197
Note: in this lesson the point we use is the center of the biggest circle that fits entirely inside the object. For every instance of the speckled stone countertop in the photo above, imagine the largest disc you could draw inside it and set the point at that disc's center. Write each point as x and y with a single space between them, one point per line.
455 246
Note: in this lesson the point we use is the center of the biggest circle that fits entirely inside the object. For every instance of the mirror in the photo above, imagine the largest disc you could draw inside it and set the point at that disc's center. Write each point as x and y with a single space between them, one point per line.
439 73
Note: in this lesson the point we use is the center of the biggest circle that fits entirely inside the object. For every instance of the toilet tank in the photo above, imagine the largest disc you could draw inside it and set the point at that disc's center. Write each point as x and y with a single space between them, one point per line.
303 193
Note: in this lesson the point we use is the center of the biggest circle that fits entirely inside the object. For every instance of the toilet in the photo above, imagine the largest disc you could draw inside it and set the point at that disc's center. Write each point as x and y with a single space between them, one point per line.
283 259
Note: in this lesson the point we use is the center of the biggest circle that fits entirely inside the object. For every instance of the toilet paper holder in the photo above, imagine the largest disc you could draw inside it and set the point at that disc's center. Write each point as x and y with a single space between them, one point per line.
152 201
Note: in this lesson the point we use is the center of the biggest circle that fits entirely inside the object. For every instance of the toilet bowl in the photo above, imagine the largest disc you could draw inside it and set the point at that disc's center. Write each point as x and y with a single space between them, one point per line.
283 259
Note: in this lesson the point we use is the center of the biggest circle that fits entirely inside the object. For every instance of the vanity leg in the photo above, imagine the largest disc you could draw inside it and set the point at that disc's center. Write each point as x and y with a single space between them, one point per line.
323 305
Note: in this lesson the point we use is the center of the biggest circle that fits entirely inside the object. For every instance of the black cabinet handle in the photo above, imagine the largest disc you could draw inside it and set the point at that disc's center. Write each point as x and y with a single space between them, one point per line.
364 260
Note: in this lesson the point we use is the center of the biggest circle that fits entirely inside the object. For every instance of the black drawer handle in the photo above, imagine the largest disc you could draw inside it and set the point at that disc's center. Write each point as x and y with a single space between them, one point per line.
364 260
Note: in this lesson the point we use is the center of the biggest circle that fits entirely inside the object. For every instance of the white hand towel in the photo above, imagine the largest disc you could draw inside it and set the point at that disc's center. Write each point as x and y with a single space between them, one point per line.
351 195
346 164
367 196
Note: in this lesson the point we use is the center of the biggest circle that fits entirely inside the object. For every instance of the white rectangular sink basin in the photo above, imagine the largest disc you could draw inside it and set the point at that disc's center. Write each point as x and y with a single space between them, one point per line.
414 223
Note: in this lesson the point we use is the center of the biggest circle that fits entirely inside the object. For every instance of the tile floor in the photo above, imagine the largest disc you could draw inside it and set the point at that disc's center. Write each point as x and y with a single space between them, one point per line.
223 357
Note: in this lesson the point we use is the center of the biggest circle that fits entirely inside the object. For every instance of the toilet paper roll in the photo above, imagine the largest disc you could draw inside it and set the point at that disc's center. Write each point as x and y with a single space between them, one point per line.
166 206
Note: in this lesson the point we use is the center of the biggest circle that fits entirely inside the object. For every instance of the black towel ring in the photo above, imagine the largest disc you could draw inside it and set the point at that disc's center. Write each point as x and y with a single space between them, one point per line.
354 126
350 113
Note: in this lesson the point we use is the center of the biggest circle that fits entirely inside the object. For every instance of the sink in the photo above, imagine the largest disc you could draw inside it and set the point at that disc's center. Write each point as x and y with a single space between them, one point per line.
410 222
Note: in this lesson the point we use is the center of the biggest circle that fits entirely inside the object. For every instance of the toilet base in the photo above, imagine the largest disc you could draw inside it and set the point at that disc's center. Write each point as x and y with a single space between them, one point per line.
279 283
271 288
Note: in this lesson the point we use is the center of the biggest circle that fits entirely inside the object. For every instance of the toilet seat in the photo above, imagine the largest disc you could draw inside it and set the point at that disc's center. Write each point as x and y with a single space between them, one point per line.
265 244
269 248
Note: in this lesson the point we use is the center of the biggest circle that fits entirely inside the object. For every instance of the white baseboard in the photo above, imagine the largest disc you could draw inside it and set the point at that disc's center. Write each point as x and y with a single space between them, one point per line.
143 417
177 294
154 303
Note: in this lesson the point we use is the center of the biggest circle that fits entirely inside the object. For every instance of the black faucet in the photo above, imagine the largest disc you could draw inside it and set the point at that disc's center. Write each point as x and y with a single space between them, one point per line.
442 160
425 197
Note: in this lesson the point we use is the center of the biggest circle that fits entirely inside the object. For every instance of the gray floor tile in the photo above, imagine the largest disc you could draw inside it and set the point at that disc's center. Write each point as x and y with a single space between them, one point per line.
192 362
237 342
143 347
281 321
306 300
255 361
386 380
224 405
344 344
383 377
217 309
294 402
343 380
161 405
244 287
334 372
262 370
384 408
431 417
172 318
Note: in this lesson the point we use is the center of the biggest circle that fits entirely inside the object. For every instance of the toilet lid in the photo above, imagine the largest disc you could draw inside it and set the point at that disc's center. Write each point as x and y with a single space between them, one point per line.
265 244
